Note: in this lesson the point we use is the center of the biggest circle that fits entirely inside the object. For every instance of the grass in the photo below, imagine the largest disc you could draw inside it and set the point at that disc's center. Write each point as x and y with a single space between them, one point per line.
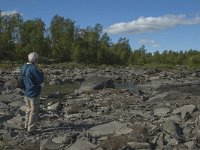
9 65
13 64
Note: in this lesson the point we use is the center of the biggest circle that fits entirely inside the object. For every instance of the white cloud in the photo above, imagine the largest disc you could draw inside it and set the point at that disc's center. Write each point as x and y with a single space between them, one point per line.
149 42
143 24
8 13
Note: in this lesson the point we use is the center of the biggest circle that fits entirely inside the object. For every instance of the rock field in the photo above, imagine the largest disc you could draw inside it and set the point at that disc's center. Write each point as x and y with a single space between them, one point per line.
159 110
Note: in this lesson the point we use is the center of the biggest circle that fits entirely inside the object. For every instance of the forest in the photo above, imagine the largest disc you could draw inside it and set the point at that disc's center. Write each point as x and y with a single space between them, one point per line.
64 41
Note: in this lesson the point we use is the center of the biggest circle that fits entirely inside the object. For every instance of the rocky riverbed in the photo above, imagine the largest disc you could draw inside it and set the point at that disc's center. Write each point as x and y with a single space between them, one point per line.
110 109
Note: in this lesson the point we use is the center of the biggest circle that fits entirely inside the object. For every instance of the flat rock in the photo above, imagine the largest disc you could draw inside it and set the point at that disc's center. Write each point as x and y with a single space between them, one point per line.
17 104
7 97
59 139
48 144
161 111
110 128
138 145
14 123
82 144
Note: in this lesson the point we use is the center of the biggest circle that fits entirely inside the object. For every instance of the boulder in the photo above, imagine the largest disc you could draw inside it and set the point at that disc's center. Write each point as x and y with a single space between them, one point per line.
96 83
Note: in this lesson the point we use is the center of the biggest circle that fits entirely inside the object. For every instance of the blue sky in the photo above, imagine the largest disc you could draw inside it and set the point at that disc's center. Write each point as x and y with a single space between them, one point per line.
157 24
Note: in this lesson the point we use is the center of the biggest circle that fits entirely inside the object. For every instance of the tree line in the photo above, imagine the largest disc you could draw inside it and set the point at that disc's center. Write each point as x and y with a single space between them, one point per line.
64 41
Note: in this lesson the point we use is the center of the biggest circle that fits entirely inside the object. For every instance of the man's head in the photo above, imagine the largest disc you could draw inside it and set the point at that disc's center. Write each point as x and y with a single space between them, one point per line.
33 57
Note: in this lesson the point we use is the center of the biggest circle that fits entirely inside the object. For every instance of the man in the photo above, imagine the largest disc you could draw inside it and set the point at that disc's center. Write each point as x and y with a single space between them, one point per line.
32 78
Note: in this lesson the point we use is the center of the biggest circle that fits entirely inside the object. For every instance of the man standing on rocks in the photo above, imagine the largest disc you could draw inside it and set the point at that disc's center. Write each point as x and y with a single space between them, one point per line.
32 78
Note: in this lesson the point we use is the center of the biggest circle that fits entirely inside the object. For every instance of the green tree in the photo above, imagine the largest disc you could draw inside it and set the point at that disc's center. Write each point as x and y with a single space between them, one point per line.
92 37
31 38
80 47
104 54
9 35
139 56
62 37
122 51
87 44
156 57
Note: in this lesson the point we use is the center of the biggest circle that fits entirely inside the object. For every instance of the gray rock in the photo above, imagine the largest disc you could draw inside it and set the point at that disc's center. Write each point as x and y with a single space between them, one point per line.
23 108
79 78
176 118
137 145
17 104
7 97
186 87
5 117
82 144
55 82
161 111
171 141
54 107
96 83
158 97
190 145
187 132
15 122
47 144
141 113
3 107
114 127
153 85
160 141
184 110
72 116
167 96
190 87
172 128
59 139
